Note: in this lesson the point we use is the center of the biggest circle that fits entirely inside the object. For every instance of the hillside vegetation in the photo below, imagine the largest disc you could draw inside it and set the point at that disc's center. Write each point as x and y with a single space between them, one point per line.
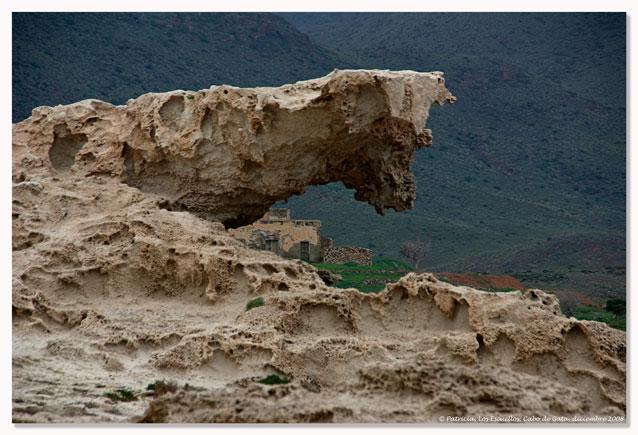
527 172
60 58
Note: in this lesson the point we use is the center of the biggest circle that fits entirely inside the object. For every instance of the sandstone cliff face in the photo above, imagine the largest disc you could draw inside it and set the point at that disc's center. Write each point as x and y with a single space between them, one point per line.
114 287
227 153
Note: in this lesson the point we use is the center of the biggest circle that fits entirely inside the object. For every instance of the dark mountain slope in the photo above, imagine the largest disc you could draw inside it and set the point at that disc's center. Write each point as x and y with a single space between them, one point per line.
527 171
60 58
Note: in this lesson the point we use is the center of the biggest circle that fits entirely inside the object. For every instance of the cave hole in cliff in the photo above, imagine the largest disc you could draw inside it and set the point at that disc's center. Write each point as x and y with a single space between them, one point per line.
65 147
482 351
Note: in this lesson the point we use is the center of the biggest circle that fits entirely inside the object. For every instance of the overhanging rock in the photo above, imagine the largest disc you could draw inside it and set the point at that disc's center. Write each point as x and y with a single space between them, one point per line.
229 153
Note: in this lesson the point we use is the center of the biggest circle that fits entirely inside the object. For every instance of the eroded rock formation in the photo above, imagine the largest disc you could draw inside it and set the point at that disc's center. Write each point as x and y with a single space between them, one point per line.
228 153
112 291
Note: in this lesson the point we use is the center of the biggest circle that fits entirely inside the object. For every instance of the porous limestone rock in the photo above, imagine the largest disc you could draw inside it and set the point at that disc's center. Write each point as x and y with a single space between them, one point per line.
420 351
228 153
110 291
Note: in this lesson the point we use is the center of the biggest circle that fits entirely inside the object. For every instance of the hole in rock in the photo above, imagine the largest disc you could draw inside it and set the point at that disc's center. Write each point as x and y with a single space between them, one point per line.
65 147
325 219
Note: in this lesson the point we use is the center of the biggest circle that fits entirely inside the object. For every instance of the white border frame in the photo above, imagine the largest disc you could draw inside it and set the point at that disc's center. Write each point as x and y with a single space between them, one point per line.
9 6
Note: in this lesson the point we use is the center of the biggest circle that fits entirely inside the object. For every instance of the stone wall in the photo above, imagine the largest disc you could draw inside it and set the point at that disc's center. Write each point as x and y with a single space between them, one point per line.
326 243
348 254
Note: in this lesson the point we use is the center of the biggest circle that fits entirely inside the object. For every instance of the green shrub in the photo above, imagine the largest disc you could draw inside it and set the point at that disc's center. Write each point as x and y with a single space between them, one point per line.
599 315
254 303
122 395
616 306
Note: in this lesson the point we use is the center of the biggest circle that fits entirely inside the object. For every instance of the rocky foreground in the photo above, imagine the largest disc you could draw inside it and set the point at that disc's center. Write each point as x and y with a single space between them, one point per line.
130 297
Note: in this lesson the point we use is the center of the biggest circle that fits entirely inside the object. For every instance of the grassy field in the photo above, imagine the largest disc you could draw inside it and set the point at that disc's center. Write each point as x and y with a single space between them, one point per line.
367 278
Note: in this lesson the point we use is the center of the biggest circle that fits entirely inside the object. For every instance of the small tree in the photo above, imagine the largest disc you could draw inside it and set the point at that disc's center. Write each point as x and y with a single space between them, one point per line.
415 251
616 306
